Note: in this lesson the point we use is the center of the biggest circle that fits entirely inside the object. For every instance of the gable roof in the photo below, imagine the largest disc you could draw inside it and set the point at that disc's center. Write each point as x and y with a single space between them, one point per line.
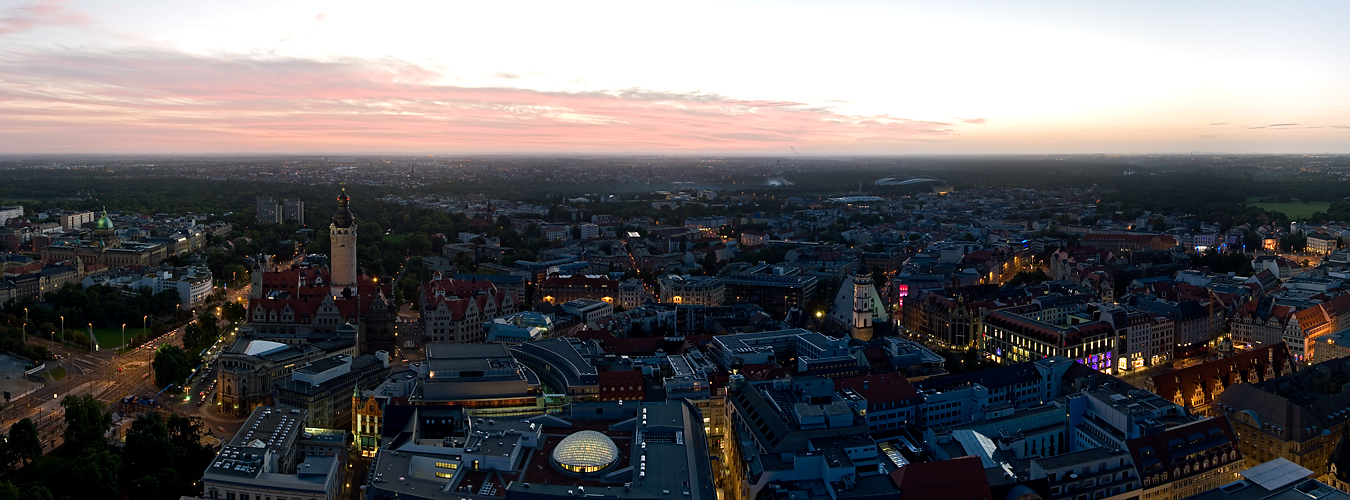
956 479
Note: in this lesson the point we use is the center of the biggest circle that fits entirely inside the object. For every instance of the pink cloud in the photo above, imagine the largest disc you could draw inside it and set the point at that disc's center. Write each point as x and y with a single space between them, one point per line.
149 101
46 12
974 121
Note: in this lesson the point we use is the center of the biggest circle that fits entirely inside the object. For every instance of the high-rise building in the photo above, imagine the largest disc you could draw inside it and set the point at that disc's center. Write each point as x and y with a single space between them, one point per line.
342 234
269 211
293 210
10 212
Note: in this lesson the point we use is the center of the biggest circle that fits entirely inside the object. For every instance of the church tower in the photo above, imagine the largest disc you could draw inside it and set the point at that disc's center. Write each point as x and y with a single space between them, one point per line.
862 307
342 255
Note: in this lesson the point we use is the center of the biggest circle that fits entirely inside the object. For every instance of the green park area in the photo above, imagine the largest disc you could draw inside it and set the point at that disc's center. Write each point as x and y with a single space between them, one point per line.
1293 209
112 337
57 373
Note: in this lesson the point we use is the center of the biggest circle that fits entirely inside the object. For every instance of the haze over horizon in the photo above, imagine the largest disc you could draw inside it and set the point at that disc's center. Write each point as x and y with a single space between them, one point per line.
744 78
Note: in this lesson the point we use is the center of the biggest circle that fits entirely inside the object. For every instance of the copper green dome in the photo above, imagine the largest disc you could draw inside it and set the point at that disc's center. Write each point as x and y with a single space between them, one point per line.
103 222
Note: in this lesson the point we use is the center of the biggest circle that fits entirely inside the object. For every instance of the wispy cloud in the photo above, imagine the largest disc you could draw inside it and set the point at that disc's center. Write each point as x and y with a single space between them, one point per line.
151 100
1275 125
974 121
46 12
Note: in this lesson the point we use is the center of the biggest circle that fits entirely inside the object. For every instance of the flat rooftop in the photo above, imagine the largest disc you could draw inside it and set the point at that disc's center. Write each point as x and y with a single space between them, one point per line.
275 428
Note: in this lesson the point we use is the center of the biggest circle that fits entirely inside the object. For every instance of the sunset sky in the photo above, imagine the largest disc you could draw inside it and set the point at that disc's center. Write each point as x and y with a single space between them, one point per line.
688 77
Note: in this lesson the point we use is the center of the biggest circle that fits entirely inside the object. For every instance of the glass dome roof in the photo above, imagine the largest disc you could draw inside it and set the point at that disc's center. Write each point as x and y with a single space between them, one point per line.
585 452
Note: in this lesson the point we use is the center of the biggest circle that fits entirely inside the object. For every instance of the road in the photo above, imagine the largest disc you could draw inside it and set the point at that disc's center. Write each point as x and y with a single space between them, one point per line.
105 374
110 377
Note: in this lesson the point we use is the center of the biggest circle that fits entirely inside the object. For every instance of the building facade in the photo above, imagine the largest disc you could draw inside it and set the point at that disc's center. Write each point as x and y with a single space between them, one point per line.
460 310
698 290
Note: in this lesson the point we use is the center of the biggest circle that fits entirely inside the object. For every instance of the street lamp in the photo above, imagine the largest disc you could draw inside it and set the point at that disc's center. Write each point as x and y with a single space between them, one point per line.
63 327
143 318
92 344
25 325
124 334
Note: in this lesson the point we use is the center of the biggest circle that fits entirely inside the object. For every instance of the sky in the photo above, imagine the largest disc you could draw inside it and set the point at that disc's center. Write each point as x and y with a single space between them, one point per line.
690 77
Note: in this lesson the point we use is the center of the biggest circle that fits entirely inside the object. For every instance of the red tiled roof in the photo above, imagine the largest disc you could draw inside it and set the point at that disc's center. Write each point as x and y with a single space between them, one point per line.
956 479
1311 317
455 288
1202 378
458 307
879 388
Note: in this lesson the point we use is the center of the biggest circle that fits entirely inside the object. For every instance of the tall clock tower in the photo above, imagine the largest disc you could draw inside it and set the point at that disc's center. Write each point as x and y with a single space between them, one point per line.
343 252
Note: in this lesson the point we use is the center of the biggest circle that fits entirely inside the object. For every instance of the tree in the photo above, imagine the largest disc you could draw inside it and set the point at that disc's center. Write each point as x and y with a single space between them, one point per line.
98 470
24 441
148 449
236 273
171 364
8 458
148 487
87 420
1028 277
233 312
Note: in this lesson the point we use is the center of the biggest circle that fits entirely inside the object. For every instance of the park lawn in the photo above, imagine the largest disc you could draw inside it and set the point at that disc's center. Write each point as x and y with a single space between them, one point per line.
112 337
57 373
396 238
42 469
1295 209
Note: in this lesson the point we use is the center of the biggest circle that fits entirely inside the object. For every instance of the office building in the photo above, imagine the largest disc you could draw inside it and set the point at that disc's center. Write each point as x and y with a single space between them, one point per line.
776 288
247 370
694 290
1186 460
269 211
629 450
558 289
1298 416
274 455
324 387
293 210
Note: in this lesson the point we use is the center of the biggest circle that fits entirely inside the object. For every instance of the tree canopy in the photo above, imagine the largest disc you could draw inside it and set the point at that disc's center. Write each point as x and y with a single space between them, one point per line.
87 420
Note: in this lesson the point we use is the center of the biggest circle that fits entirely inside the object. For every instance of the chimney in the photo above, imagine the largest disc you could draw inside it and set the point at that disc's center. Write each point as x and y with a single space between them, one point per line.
864 384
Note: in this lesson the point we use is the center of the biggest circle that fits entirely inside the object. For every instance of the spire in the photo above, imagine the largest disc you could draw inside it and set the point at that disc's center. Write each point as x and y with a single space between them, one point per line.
343 218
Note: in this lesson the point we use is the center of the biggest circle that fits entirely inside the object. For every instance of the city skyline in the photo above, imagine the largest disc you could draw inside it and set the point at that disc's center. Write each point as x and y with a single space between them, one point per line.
856 78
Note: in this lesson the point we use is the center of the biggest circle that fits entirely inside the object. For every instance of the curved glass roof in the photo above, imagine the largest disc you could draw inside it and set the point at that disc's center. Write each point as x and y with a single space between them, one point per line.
586 451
